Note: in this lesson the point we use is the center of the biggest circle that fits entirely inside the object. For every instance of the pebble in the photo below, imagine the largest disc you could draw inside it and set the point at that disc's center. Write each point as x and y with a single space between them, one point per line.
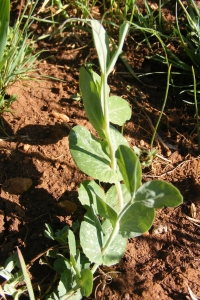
159 229
17 185
68 206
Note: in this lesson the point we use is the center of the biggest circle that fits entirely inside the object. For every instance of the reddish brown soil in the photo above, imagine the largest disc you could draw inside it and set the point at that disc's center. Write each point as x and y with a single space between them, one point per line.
155 266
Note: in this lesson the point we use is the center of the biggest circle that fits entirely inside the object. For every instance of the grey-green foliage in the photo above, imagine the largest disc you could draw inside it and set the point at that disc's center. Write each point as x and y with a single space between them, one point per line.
13 276
73 271
126 210
130 210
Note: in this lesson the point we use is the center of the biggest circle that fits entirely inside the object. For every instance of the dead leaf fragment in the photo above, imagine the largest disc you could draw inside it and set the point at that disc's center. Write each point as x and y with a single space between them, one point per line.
59 116
154 6
192 295
68 206
18 185
193 211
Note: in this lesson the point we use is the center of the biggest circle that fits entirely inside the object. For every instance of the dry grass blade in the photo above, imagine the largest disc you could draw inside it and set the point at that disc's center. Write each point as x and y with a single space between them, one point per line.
2 293
192 295
193 220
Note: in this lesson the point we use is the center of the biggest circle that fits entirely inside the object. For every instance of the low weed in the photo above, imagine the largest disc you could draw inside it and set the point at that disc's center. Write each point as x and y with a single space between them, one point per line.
18 59
15 274
127 208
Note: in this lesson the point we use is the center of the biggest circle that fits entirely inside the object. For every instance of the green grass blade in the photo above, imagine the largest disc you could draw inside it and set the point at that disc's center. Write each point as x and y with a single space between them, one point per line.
163 107
4 22
26 275
196 106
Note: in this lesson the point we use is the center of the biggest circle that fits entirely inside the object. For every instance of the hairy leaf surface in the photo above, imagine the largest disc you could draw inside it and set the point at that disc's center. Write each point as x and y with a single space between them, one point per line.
119 110
89 156
130 168
91 99
112 197
90 193
91 237
101 44
158 193
136 220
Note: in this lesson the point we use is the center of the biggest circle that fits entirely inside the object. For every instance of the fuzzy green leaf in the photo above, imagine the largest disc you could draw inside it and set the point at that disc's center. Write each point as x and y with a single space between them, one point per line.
86 282
117 138
91 237
101 42
61 264
11 290
84 194
71 242
122 34
136 220
5 274
115 251
65 283
49 233
119 110
89 156
90 90
90 193
158 193
130 168
112 197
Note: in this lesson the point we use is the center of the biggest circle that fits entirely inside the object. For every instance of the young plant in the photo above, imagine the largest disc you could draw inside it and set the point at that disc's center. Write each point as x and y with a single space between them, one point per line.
72 270
15 274
17 57
186 34
127 208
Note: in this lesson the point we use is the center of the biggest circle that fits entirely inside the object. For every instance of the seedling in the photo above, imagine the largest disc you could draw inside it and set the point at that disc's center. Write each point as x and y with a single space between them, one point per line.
127 208
14 277
145 156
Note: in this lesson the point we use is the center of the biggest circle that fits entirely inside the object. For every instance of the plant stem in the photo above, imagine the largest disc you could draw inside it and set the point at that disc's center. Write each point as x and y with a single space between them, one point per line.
120 195
196 106
113 233
159 13
163 107
113 163
109 241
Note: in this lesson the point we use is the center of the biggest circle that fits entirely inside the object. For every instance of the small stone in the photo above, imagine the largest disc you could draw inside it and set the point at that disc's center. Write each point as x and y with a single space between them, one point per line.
72 185
159 229
26 147
17 186
142 143
68 206
59 116
57 165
